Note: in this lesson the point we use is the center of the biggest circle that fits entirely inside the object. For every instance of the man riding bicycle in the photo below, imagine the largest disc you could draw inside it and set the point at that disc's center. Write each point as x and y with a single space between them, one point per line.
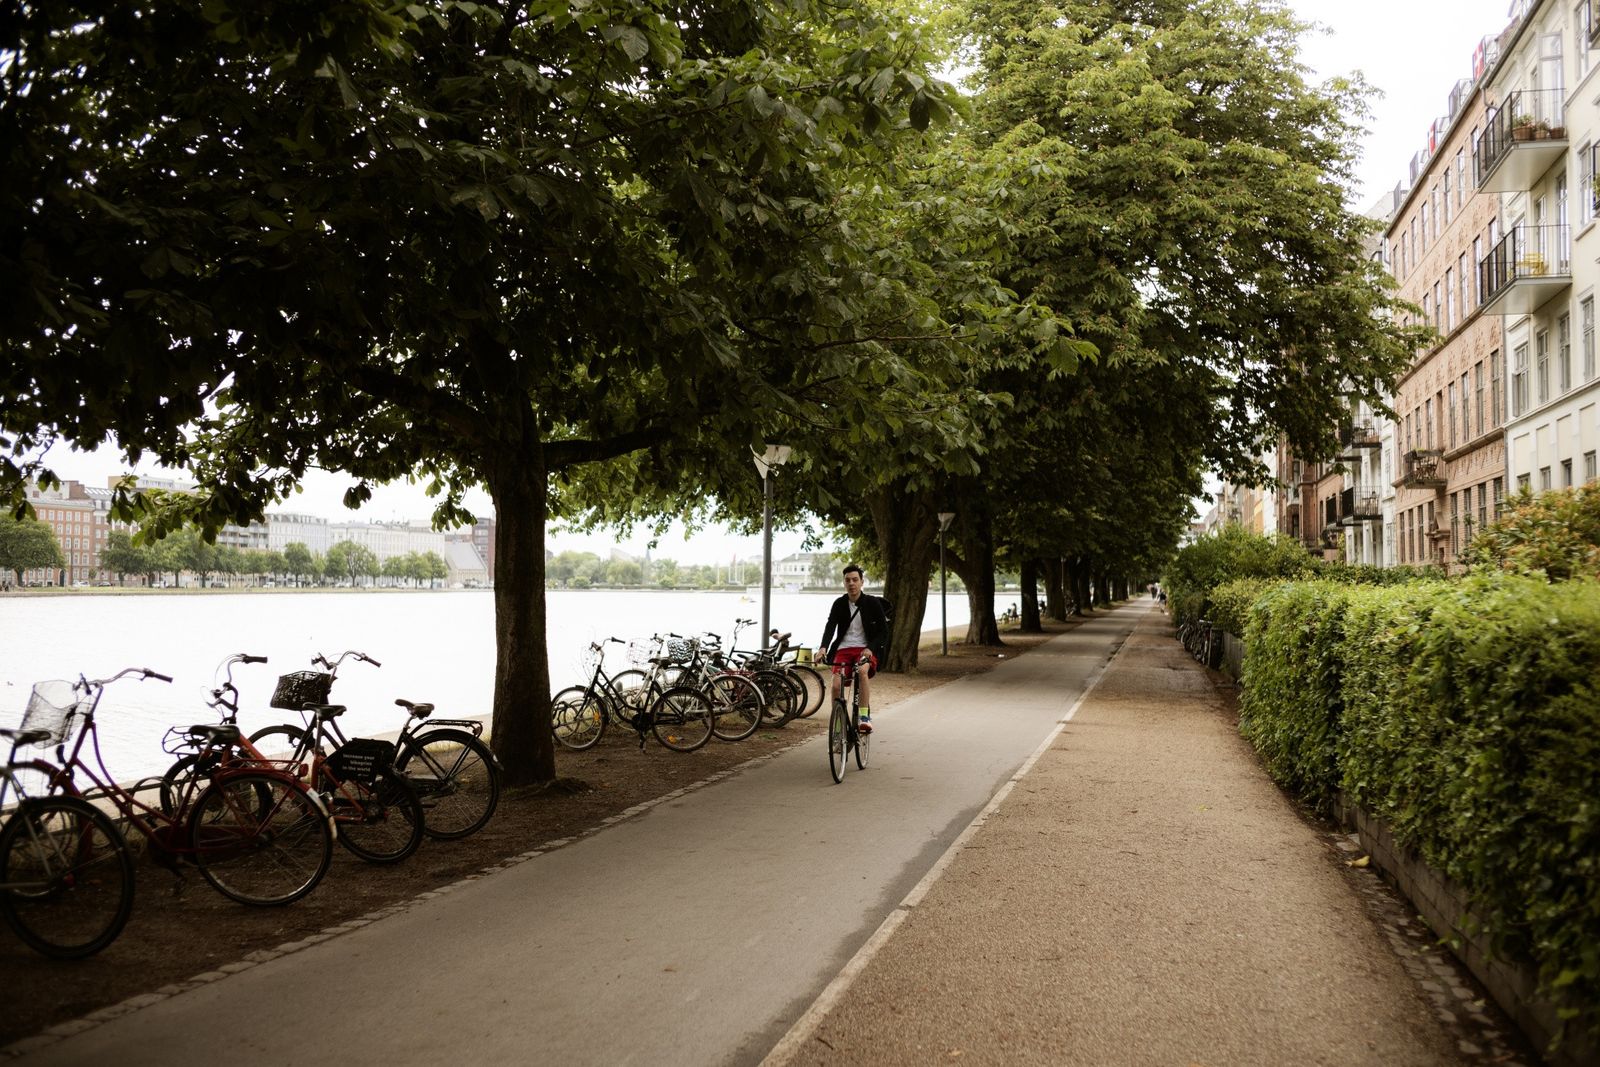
858 630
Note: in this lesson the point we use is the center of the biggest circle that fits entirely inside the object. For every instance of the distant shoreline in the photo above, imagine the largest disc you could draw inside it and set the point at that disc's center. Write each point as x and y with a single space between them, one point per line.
132 590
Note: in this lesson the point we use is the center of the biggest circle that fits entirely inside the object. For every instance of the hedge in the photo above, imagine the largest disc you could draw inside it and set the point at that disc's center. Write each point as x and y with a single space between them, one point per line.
1467 716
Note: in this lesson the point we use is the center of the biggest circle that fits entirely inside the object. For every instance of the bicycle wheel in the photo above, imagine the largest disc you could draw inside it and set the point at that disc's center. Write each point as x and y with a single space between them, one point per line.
260 839
681 718
457 779
578 717
838 732
862 740
67 877
183 781
778 707
816 687
736 704
637 691
285 742
381 822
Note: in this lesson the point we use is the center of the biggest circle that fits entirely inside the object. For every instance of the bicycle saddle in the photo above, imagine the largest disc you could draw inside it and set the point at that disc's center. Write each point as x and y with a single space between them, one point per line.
418 711
26 737
214 734
324 712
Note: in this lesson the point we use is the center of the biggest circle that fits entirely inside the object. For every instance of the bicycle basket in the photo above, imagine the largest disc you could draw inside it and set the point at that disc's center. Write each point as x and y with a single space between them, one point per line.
300 688
639 653
361 759
53 706
681 649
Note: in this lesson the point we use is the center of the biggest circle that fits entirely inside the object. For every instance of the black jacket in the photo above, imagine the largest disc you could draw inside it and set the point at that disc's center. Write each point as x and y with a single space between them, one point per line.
872 617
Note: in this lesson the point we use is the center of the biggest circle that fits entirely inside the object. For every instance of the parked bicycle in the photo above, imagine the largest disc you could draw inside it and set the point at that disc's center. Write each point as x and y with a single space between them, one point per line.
66 873
378 812
845 737
737 702
256 834
680 717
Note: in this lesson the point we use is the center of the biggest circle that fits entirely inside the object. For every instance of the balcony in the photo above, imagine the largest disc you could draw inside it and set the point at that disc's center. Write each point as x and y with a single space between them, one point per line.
1437 533
1530 266
1353 437
1525 136
1423 469
1367 508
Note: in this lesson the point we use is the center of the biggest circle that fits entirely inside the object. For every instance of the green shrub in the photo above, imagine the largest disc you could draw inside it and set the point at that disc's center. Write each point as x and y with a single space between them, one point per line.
1292 697
1465 714
1555 535
1223 556
1230 602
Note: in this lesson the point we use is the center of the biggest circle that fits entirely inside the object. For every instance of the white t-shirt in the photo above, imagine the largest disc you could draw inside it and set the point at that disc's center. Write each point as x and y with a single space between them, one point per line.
855 635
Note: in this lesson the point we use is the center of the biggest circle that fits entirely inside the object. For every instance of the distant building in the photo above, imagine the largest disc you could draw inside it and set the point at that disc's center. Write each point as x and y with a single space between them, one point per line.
467 568
80 517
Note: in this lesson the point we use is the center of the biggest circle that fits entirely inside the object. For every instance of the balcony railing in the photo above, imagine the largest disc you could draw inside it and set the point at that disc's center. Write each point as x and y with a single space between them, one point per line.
1367 507
1353 437
1529 266
1523 138
1423 469
1591 19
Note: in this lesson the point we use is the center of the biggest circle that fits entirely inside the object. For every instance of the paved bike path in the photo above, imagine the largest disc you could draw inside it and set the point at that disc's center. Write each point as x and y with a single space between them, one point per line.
696 933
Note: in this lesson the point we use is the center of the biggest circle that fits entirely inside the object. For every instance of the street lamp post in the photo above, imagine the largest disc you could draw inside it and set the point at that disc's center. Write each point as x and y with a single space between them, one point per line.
774 456
944 625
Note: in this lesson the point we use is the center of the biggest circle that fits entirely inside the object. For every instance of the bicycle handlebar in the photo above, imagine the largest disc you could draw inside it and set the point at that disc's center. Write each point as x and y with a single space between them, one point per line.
321 660
145 671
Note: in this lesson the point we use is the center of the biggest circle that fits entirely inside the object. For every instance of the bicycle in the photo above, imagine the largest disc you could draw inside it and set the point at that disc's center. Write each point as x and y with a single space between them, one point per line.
680 717
66 873
844 725
378 811
255 833
456 775
738 703
812 681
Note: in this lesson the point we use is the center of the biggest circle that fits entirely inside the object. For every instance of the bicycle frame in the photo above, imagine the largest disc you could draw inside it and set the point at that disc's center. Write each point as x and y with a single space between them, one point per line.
163 831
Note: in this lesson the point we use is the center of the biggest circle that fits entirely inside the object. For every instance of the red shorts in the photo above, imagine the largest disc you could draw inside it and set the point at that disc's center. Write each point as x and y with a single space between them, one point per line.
848 657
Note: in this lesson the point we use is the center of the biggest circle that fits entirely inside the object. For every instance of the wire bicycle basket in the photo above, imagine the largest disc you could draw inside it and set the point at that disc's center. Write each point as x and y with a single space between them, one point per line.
53 706
300 688
682 649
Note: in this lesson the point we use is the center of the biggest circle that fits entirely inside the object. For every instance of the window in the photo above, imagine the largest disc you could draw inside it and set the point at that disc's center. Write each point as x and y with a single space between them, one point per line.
1461 276
1541 346
1523 483
1589 471
1461 177
1455 524
1564 352
1466 420
1519 380
1449 299
1402 256
1586 310
1444 209
1427 307
1585 181
1452 420
1433 200
1423 246
1483 504
1438 309
1499 497
1477 260
1427 417
1580 29
1544 479
1477 385
1566 474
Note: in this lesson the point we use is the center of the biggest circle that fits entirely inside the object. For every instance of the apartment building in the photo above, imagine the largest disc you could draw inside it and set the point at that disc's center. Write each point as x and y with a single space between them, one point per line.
80 517
1538 158
1448 446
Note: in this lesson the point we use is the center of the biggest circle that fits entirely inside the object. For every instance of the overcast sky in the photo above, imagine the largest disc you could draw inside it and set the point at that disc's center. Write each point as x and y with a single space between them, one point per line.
1411 51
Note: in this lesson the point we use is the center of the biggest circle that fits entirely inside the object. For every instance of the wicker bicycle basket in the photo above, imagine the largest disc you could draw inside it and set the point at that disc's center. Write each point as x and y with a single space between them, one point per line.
300 688
53 706
682 649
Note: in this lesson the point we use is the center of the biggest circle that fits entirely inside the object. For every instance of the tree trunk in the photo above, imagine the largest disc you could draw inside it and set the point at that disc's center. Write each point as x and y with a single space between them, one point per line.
520 733
976 567
1102 590
1055 590
1031 622
1078 584
907 532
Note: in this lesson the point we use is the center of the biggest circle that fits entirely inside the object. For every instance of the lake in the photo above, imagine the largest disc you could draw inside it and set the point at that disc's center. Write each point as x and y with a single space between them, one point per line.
434 646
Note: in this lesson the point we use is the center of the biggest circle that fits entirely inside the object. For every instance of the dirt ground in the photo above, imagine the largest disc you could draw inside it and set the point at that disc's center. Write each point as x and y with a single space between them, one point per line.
181 929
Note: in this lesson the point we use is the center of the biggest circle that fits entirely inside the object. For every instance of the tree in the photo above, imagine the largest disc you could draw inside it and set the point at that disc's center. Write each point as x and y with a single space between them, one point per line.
351 561
298 562
122 557
433 568
27 544
399 567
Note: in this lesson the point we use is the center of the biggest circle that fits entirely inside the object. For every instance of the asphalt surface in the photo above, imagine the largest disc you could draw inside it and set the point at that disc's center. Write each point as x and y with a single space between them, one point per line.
1071 859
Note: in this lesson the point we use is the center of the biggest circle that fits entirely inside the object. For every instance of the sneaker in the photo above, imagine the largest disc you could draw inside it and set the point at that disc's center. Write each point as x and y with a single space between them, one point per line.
864 727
